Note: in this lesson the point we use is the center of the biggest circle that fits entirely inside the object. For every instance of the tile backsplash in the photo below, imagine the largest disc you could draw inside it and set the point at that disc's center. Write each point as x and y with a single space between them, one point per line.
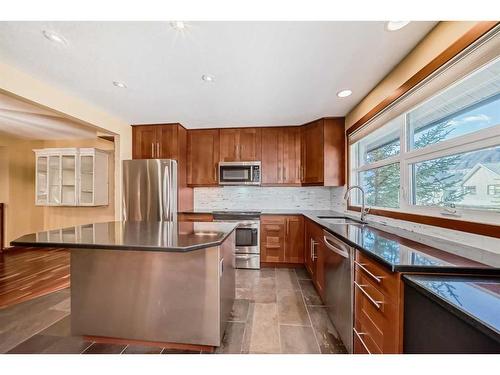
252 197
326 198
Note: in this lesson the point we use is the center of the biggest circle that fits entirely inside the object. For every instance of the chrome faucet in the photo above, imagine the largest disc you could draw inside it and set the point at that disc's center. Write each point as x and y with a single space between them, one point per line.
363 210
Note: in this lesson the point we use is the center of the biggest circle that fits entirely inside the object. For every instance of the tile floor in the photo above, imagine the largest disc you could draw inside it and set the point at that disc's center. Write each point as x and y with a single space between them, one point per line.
276 311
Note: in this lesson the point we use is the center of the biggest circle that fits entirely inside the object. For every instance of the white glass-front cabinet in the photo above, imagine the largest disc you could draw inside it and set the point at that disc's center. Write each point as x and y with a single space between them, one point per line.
71 177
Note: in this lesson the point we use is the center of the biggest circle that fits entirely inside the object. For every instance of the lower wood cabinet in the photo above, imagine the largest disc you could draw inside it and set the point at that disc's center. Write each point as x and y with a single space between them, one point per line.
195 217
313 236
377 308
282 239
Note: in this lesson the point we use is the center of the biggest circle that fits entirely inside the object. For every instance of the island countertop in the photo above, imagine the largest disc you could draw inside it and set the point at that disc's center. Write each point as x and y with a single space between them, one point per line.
133 235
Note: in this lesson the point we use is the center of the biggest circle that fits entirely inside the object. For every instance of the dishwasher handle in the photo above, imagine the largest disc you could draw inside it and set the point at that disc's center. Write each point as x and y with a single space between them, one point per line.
334 245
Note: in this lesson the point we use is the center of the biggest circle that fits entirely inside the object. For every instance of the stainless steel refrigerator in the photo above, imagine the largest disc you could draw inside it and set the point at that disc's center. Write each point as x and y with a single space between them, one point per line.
149 190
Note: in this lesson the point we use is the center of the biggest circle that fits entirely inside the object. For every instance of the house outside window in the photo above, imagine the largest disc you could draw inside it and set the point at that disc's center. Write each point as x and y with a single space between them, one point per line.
494 189
469 190
439 153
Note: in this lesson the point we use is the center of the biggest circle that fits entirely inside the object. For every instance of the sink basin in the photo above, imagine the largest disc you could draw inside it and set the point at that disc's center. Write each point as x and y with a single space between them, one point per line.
340 220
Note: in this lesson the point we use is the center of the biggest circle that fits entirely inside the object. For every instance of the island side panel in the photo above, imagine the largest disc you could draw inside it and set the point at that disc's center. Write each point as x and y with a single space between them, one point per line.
228 280
146 295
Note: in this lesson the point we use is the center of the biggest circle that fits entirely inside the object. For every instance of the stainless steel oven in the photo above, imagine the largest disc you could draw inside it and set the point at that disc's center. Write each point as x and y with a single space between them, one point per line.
240 173
247 236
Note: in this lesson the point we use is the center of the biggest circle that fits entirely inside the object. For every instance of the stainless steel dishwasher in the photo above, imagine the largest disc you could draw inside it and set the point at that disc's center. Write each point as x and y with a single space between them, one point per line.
339 275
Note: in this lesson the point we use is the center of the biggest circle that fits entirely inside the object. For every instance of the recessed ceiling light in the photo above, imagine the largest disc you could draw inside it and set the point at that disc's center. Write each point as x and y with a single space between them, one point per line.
119 84
395 25
178 25
208 78
344 93
54 37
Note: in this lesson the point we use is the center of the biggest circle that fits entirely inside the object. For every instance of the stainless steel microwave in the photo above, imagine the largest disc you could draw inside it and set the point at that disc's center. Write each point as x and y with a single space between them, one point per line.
239 173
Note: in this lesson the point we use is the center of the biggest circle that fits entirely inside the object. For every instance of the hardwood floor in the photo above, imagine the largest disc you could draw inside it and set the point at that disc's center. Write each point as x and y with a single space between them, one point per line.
27 273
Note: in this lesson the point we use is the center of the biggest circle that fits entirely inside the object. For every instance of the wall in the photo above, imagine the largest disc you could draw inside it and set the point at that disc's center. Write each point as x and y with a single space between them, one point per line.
257 198
17 83
18 187
57 217
441 37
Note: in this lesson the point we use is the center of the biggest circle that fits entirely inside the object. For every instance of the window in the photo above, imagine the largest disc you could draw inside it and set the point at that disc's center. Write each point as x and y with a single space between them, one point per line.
439 153
494 190
469 190
381 185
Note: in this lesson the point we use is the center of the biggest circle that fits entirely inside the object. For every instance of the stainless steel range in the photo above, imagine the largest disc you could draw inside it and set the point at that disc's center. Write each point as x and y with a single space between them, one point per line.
247 236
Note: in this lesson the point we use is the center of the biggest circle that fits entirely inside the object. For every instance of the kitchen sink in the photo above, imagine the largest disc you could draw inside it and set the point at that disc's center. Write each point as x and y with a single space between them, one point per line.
340 220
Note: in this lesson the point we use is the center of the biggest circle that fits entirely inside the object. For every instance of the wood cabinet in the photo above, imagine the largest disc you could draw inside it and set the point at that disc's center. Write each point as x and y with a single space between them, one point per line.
241 144
282 239
144 142
158 141
313 248
165 141
322 152
377 307
195 217
281 156
203 157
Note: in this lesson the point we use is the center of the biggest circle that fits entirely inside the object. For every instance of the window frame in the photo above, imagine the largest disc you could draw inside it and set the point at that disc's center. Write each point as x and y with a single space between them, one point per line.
481 139
407 157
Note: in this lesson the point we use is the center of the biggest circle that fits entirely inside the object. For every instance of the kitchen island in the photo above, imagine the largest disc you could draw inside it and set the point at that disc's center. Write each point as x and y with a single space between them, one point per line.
169 283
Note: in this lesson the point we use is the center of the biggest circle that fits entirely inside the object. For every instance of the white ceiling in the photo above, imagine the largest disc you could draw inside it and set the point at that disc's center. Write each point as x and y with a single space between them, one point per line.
25 120
266 73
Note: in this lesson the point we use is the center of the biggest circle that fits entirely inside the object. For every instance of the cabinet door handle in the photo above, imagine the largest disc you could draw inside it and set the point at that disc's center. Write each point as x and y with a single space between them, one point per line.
378 279
377 304
279 173
152 150
358 335
313 250
284 174
157 149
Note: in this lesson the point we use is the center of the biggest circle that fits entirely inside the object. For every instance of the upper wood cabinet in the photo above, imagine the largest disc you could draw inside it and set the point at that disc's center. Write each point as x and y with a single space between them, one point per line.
165 141
203 157
322 152
282 239
144 142
242 144
281 156
158 141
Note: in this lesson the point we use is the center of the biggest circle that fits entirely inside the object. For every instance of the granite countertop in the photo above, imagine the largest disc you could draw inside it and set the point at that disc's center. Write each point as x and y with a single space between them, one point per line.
130 235
397 249
475 300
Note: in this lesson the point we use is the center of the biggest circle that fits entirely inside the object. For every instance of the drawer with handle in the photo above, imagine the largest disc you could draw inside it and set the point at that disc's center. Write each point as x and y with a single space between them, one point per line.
376 315
383 279
251 261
